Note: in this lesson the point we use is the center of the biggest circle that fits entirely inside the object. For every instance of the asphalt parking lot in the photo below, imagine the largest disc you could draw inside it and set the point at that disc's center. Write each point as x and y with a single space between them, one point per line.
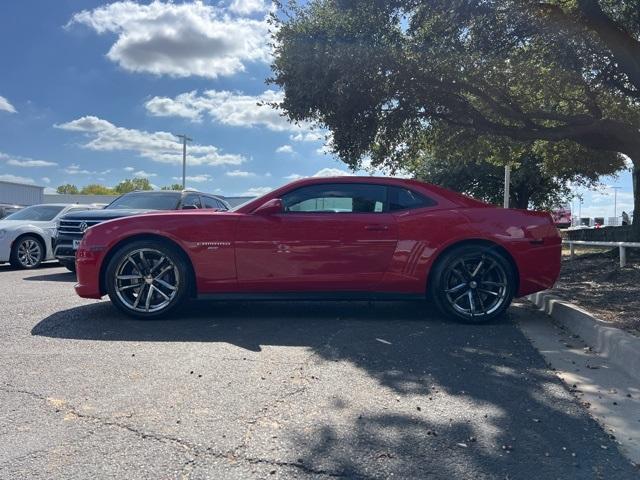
278 390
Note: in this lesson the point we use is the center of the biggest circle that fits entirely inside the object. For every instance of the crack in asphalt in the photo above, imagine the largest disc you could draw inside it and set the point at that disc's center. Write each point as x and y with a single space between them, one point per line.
195 450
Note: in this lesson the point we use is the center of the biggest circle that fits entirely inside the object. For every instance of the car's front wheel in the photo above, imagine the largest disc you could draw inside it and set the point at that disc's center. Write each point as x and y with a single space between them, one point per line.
27 252
147 279
473 283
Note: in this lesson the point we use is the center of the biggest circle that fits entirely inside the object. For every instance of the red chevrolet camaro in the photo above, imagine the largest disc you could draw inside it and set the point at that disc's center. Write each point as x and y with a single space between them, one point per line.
326 238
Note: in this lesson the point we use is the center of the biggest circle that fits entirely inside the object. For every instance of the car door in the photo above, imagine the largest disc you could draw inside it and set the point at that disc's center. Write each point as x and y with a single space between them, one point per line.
330 237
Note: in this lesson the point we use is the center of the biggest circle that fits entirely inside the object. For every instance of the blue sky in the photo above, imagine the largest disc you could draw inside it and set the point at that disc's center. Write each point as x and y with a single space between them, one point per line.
91 91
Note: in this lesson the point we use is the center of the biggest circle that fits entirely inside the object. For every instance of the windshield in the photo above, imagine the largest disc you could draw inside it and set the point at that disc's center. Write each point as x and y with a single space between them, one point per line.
37 213
146 201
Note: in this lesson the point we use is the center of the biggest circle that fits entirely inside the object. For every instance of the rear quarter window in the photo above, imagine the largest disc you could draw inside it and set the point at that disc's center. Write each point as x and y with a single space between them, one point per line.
405 199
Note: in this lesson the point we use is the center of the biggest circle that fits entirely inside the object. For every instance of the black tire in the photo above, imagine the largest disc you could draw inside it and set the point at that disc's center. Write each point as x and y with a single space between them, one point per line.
124 293
71 266
27 252
480 298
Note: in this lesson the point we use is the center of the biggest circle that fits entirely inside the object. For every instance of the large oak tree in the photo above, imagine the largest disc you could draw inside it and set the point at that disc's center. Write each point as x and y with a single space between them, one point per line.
380 74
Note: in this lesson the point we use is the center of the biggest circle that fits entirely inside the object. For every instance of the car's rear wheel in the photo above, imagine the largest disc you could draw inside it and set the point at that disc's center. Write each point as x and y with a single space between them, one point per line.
473 283
147 279
27 252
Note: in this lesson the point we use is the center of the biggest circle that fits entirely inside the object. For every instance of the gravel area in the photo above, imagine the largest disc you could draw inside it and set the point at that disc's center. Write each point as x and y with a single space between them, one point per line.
595 281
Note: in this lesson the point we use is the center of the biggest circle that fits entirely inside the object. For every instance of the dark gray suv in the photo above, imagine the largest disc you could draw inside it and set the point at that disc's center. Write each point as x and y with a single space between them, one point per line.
71 227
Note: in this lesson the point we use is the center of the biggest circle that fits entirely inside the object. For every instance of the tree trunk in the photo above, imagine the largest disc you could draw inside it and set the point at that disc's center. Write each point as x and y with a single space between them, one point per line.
635 176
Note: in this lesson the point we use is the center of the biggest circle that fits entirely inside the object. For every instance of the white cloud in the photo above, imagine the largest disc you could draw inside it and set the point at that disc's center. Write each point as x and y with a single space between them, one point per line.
257 191
6 106
165 38
27 162
74 169
285 149
195 178
239 173
46 179
307 137
293 176
143 174
158 146
50 191
228 108
129 169
7 177
247 7
324 150
331 172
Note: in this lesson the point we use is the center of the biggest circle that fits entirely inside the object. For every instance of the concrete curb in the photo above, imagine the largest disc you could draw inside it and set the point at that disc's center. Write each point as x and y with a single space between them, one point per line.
619 347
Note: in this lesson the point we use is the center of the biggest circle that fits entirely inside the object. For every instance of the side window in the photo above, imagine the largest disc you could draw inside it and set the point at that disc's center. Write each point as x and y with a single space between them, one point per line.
191 200
221 205
208 202
337 198
405 199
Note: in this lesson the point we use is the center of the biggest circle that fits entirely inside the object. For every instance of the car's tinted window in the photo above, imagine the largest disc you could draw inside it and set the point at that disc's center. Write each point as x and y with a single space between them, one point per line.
337 198
37 213
208 202
146 201
403 199
191 200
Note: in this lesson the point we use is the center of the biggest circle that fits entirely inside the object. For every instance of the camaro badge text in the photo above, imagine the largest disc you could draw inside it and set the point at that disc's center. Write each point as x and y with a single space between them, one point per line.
213 244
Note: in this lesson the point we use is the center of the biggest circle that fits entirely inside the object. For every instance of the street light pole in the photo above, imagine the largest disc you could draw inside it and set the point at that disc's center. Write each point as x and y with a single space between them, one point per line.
507 184
184 139
615 203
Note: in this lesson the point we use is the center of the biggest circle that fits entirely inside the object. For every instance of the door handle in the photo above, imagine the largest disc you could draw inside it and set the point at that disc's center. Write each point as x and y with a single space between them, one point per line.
376 228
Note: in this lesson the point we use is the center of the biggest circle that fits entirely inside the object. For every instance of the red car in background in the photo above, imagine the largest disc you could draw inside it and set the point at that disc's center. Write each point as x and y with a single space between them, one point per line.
326 238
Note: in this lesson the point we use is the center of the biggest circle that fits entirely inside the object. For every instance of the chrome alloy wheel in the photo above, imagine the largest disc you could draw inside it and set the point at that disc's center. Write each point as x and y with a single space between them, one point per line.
29 253
476 285
146 280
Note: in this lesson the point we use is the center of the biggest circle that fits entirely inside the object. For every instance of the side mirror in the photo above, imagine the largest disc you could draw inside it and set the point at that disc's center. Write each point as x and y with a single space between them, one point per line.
189 207
272 207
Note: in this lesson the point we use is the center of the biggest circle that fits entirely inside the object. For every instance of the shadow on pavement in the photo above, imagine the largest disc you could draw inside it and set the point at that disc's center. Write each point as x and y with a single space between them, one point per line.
532 428
65 276
6 267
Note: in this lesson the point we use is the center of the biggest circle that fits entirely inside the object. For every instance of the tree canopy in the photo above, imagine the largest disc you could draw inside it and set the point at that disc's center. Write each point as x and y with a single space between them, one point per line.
383 74
460 160
67 188
125 186
96 189
173 186
130 185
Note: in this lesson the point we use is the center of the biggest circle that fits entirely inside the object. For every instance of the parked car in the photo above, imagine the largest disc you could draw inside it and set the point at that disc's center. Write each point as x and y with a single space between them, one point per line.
329 238
8 209
71 227
25 236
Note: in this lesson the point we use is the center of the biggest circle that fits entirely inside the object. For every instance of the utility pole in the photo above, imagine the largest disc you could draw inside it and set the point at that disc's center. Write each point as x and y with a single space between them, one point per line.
184 139
507 184
615 203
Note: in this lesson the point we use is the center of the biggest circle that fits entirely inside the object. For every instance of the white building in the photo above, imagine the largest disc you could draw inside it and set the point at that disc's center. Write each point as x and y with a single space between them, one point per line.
20 193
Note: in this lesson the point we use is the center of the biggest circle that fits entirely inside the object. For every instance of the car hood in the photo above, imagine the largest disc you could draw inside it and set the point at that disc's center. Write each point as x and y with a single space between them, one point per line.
14 224
105 214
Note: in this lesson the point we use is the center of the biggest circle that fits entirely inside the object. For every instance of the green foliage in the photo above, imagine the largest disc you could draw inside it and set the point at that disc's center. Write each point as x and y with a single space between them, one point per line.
67 188
130 185
96 189
463 161
384 75
173 186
